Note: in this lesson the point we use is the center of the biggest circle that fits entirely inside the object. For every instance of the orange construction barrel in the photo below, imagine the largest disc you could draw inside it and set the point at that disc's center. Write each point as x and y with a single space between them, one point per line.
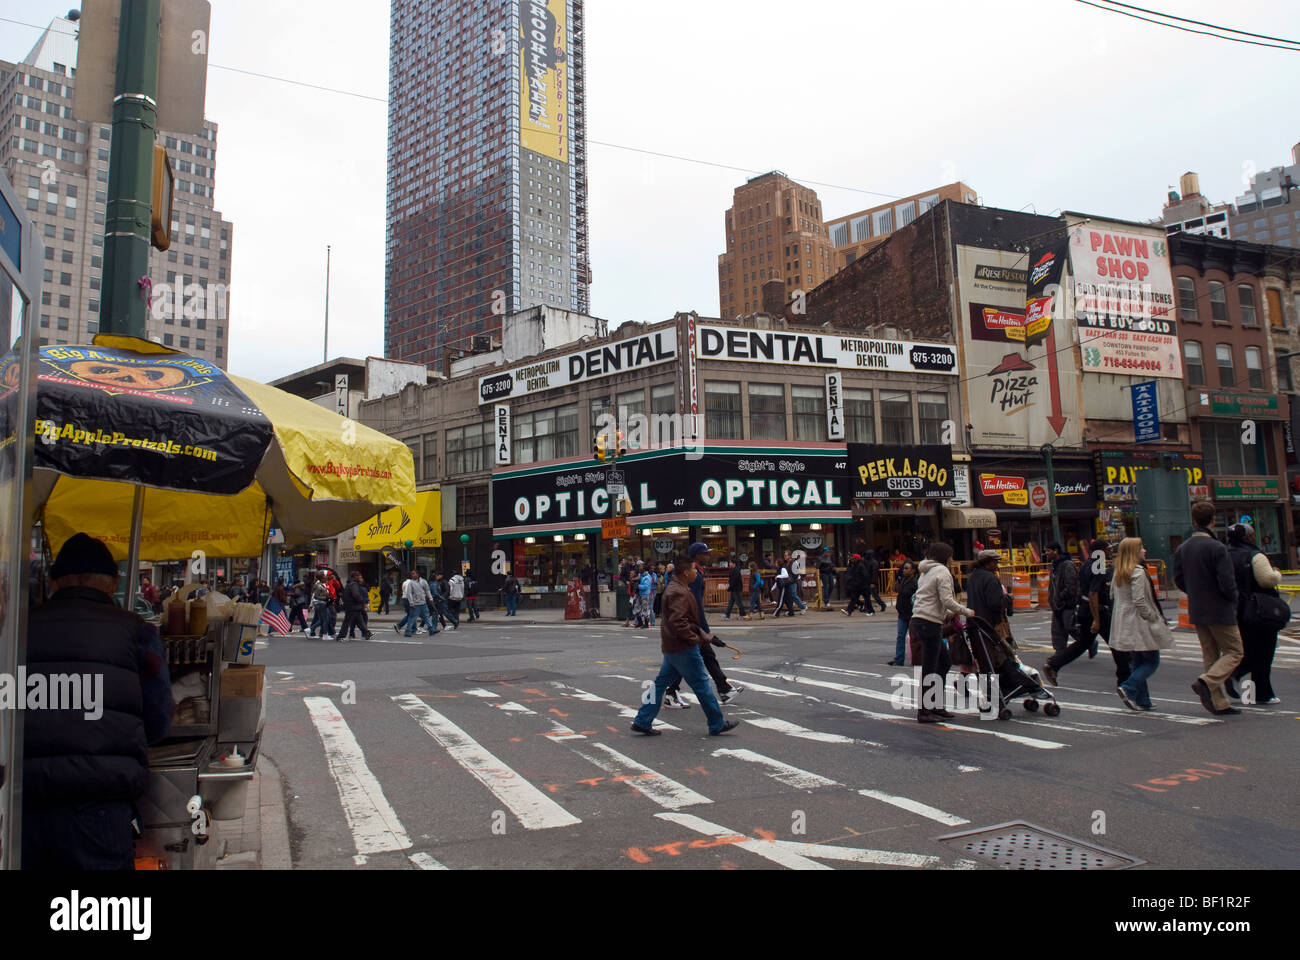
1183 619
1044 588
1020 595
1153 571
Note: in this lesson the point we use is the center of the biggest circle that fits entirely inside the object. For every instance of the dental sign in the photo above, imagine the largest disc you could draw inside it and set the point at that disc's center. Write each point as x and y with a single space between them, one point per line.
613 359
818 350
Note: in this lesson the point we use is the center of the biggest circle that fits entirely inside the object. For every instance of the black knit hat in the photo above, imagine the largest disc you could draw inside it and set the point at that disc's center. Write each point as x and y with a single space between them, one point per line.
83 554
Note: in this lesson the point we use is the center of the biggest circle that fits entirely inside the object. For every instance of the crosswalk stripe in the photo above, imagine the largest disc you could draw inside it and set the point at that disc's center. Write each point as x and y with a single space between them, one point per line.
767 849
782 772
372 820
533 809
425 862
877 715
886 857
651 784
913 806
624 711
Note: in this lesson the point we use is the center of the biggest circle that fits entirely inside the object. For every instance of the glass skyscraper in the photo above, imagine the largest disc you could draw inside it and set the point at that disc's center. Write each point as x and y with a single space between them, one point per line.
487 170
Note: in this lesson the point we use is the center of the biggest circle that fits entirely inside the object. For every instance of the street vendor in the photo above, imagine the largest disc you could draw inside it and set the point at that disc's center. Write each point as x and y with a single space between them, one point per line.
83 768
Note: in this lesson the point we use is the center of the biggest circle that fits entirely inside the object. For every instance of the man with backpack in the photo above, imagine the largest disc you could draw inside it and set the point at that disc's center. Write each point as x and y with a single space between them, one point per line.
455 594
511 590
1091 617
1260 614
471 596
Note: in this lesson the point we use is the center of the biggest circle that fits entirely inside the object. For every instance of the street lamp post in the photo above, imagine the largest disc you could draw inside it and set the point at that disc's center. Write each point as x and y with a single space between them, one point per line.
464 544
1047 451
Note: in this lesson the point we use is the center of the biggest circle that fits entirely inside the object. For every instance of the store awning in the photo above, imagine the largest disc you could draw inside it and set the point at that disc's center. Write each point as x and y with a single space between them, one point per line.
969 518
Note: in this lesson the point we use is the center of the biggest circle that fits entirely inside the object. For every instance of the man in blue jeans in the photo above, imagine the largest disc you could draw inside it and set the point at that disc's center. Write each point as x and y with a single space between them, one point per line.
680 640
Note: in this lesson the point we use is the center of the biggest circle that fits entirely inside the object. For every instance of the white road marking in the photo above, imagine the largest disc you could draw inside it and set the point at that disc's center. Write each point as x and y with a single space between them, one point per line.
533 809
782 772
483 694
624 711
372 820
887 857
877 715
651 784
425 862
962 768
921 809
849 673
767 849
801 733
515 708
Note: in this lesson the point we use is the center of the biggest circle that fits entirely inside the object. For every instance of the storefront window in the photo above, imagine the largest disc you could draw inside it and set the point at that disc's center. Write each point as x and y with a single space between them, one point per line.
722 411
859 416
809 413
468 449
933 410
546 566
1225 454
766 411
896 417
546 434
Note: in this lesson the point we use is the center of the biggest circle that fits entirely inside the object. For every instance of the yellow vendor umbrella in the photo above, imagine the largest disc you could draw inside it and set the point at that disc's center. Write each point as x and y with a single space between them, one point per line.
129 432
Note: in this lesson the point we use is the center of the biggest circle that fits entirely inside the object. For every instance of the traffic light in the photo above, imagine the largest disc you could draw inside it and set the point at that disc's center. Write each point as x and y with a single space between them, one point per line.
602 454
619 447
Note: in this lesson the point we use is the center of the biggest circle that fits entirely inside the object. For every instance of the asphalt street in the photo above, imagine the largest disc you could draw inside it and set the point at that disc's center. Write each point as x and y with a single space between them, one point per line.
505 744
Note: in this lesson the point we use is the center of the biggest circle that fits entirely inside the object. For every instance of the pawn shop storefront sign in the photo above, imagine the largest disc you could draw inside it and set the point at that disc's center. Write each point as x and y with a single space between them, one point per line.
882 472
756 486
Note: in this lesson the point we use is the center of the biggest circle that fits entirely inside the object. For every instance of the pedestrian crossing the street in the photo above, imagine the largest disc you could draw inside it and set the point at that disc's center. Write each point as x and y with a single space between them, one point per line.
548 756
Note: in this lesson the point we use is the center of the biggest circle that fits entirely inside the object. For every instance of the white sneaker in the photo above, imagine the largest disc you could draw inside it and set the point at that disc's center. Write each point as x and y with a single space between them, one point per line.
731 695
327 637
672 702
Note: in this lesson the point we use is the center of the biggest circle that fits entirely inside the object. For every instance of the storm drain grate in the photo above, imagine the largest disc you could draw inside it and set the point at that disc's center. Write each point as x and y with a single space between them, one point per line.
497 677
1023 846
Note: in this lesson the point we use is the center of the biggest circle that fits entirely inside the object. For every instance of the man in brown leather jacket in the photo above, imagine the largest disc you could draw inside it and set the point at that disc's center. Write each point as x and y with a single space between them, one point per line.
680 640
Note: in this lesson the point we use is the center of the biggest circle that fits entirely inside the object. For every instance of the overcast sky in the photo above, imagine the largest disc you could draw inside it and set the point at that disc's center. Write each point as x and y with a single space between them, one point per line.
1048 103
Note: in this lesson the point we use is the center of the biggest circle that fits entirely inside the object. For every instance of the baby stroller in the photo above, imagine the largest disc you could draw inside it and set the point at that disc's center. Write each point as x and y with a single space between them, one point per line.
993 656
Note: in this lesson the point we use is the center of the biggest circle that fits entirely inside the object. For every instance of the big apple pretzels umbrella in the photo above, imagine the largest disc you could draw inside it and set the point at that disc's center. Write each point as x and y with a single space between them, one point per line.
160 454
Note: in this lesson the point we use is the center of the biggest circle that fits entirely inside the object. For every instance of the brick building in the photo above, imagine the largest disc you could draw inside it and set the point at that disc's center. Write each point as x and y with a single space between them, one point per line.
855 234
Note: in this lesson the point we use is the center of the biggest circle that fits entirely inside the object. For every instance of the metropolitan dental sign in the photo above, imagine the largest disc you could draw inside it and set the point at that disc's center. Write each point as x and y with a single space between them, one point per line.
820 350
723 486
625 356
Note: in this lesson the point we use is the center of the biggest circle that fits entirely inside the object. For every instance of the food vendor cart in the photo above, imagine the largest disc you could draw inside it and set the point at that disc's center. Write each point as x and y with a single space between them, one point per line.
165 457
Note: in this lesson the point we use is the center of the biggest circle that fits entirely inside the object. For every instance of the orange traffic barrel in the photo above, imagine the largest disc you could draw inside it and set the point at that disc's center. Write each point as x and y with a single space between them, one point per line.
1020 595
1044 588
1153 572
1183 619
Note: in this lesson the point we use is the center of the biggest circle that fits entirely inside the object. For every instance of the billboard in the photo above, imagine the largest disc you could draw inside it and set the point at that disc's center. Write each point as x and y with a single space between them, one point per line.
745 345
544 110
1124 300
881 472
1019 396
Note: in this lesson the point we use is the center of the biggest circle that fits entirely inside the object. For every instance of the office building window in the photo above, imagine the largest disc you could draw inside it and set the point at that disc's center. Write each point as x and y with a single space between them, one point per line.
1246 299
472 505
469 449
932 411
1223 353
1254 368
722 411
430 468
1284 381
767 411
414 446
859 416
546 434
896 418
809 413
663 415
631 404
1195 363
1218 302
1224 452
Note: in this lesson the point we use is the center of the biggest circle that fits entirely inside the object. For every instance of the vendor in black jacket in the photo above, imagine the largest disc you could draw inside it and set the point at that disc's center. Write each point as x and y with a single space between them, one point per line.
984 593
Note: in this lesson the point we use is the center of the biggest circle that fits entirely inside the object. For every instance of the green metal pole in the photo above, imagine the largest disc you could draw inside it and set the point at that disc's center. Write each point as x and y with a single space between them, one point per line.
1051 494
124 309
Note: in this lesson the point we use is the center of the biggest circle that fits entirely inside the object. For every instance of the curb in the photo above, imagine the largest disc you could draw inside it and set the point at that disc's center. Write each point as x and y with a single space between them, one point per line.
273 818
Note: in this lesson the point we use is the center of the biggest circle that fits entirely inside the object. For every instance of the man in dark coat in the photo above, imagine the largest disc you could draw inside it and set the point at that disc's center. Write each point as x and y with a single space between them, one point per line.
855 578
1063 594
355 600
83 768
1203 571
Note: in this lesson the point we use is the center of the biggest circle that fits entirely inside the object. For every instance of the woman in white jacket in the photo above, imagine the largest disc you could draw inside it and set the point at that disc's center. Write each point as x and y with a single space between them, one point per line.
935 602
1136 624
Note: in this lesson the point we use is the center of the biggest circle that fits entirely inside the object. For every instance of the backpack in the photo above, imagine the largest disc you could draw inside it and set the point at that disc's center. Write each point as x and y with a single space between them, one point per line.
1259 609
457 589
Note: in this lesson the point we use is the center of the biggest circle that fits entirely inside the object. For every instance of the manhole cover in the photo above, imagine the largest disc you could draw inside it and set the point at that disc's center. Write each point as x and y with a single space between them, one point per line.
496 677
1023 846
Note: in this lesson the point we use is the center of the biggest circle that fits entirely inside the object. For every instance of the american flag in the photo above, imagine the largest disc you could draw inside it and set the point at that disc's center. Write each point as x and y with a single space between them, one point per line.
273 616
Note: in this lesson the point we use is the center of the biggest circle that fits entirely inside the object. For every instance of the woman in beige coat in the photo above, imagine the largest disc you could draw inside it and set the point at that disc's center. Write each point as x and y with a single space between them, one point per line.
1136 625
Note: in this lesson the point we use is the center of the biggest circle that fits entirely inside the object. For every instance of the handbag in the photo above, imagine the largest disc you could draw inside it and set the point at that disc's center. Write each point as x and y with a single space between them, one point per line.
1266 611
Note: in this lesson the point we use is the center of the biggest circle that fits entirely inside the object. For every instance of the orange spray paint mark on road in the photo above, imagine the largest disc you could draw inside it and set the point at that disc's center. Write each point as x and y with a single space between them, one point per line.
558 713
637 854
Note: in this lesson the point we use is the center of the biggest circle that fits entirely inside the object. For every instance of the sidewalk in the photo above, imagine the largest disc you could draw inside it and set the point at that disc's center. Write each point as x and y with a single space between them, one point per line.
260 841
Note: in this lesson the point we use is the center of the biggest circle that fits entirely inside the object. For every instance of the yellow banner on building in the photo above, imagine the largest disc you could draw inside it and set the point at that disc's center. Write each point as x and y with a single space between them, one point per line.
421 523
544 109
